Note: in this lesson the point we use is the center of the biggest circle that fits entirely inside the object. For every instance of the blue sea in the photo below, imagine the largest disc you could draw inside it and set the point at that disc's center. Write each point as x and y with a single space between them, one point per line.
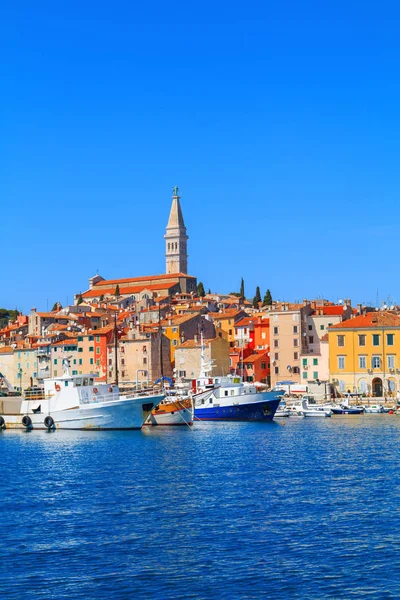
290 509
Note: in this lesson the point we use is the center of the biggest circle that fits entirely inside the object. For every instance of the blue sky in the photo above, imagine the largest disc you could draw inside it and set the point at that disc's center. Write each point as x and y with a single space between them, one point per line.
279 122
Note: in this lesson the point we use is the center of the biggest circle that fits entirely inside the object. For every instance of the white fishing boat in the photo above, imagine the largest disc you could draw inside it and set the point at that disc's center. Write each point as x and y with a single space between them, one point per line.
78 402
311 410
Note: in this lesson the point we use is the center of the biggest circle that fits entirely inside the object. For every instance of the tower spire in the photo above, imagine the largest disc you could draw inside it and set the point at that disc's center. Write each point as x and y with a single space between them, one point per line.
176 238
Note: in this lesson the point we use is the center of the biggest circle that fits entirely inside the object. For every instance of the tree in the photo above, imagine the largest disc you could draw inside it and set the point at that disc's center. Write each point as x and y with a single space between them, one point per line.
102 298
56 306
267 299
209 291
200 290
117 292
80 299
257 297
242 289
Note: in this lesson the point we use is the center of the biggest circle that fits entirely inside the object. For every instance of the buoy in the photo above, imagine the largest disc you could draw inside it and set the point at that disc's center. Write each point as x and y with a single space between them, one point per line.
58 387
95 390
110 389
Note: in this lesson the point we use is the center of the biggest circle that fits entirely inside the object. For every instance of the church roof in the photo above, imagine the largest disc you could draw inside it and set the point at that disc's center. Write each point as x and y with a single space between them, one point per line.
175 216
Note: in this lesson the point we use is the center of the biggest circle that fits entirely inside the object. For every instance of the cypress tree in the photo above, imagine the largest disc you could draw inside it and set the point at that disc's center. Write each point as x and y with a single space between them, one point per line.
267 299
117 292
80 299
200 290
242 289
257 297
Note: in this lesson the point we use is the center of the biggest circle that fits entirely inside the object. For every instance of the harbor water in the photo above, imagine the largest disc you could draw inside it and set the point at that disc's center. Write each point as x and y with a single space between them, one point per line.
224 510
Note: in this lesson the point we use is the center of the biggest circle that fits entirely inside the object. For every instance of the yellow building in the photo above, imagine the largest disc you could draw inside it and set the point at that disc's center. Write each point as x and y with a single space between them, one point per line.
225 323
364 354
180 328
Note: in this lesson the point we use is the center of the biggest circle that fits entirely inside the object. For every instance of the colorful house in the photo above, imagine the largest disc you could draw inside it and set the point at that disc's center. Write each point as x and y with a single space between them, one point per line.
364 354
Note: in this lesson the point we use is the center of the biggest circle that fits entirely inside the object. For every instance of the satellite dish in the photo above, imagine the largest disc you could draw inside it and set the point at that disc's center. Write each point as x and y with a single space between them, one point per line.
392 307
289 368
377 308
340 301
385 307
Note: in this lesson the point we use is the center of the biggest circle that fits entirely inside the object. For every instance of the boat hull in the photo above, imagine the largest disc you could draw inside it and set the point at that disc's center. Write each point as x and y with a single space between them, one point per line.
129 413
244 411
347 411
179 412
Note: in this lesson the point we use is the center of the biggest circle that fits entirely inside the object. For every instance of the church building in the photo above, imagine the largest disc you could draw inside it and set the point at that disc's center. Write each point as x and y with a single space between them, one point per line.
175 281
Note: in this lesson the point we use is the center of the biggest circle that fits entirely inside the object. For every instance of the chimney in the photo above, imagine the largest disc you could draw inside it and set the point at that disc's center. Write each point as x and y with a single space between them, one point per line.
359 309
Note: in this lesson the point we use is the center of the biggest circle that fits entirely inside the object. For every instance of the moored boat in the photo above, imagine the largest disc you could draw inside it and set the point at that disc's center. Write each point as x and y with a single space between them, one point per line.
229 399
172 411
374 409
78 402
311 410
342 409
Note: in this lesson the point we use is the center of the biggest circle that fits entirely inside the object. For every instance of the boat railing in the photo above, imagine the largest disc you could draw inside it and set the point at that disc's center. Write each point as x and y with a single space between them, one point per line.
100 396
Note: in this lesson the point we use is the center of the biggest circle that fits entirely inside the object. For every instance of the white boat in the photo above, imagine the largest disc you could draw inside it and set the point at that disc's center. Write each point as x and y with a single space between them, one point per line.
78 402
311 411
373 409
283 410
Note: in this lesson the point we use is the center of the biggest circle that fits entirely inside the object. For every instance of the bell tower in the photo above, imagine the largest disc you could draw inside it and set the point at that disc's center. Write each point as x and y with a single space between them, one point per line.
176 238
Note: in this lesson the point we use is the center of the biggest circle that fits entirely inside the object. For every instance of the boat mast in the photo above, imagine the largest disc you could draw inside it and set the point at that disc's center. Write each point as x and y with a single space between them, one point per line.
116 348
161 348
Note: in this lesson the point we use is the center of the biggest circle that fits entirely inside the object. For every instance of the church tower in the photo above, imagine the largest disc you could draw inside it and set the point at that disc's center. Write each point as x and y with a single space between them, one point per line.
176 238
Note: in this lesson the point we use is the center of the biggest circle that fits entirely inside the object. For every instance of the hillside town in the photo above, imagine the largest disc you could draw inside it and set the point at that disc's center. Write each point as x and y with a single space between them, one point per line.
142 328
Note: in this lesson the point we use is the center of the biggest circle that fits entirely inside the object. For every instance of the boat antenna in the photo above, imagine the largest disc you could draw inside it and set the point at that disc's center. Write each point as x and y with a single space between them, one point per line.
116 348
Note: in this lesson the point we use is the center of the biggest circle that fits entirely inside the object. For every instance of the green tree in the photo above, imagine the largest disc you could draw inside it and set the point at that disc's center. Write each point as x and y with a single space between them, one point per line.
267 299
257 297
56 306
80 299
209 291
200 290
242 289
117 292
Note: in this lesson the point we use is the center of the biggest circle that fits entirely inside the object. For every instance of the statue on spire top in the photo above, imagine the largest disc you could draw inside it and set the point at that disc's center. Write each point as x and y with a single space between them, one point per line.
175 191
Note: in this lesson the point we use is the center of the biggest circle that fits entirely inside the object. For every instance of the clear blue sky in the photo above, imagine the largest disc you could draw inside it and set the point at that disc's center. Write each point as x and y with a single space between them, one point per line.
279 122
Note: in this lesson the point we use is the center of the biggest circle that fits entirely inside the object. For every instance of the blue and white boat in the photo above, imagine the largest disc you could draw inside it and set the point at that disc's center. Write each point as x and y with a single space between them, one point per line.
229 399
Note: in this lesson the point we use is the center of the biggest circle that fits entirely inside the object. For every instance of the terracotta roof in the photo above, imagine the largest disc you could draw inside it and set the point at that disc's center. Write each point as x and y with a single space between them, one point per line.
94 292
195 344
106 282
245 321
371 319
6 350
324 338
256 357
226 314
176 320
68 342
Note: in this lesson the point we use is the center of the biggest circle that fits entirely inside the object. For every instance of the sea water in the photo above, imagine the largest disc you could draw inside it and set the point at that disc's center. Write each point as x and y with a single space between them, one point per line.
308 509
